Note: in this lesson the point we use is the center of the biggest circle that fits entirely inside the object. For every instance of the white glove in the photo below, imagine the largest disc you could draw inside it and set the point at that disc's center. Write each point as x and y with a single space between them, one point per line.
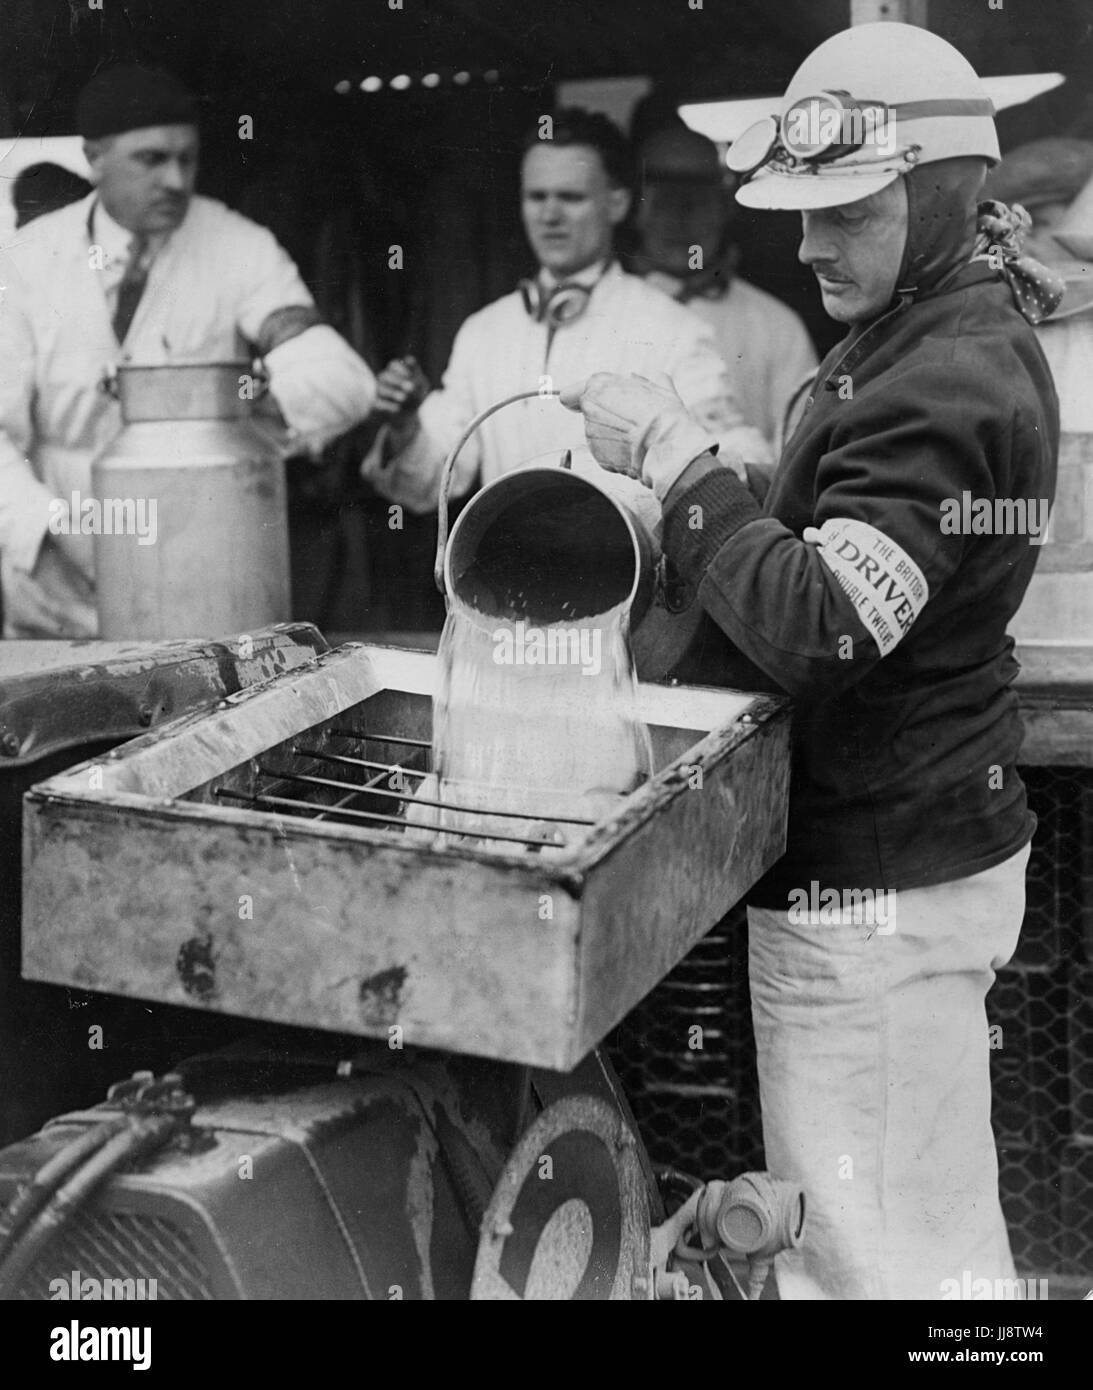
638 427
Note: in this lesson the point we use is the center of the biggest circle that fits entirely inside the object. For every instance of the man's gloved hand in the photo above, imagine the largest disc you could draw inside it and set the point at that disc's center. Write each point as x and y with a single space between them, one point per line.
638 427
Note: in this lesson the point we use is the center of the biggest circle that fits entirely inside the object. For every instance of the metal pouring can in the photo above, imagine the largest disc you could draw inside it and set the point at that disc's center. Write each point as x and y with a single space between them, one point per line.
662 637
194 534
577 539
543 567
552 546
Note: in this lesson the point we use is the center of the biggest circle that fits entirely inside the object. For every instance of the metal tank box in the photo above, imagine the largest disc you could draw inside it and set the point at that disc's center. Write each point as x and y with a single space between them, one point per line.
250 861
60 704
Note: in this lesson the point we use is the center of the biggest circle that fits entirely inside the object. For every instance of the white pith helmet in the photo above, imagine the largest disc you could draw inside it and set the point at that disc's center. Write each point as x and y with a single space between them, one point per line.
897 94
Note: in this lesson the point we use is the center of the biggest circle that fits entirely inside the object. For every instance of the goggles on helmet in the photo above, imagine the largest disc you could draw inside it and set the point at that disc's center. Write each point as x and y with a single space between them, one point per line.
833 125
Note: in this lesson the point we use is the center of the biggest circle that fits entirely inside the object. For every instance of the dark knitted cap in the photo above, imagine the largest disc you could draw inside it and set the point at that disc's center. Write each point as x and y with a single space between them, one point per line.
130 97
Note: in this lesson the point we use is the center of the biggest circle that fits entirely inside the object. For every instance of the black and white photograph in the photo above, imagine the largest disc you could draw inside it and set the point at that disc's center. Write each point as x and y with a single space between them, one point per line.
546 678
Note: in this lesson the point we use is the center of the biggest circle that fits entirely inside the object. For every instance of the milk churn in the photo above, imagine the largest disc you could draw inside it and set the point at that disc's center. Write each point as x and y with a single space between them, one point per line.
194 533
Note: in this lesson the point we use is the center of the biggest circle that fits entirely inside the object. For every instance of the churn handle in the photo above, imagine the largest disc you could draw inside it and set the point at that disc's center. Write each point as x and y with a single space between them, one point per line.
449 464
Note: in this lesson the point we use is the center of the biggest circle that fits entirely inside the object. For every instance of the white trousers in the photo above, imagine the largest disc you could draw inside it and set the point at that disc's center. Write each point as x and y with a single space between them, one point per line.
874 1076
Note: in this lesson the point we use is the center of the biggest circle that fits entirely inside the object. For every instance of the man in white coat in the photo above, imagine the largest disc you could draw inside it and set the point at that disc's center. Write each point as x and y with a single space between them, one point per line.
140 270
582 313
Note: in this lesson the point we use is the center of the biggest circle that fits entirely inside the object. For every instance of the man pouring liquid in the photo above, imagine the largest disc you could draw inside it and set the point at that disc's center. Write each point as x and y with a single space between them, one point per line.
843 588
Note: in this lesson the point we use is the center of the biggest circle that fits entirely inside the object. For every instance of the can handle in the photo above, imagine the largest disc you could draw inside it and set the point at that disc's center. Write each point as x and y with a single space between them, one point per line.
449 465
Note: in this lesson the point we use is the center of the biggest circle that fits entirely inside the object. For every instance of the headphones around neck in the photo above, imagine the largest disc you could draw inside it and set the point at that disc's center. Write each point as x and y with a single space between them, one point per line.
563 304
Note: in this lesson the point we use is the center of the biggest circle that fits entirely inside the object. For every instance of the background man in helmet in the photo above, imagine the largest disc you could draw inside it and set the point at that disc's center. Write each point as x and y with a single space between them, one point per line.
684 223
875 939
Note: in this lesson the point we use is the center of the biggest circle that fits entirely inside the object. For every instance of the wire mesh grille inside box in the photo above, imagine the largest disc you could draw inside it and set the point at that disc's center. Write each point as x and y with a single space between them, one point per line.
698 1107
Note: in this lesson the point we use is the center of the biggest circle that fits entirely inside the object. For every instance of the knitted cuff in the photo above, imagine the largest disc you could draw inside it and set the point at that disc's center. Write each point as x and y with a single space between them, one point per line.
691 538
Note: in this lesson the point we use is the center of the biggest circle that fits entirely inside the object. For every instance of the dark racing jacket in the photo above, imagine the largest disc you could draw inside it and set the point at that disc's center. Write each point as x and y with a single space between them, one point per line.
874 585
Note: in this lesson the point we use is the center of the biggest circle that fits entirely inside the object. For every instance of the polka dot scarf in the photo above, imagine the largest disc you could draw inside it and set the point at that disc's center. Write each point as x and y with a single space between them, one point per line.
1037 291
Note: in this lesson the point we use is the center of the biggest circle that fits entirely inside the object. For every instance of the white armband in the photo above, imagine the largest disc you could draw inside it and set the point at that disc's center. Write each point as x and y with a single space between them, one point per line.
881 580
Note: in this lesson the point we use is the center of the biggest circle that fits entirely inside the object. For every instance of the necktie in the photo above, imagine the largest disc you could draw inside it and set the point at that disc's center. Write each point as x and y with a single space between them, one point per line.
131 286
